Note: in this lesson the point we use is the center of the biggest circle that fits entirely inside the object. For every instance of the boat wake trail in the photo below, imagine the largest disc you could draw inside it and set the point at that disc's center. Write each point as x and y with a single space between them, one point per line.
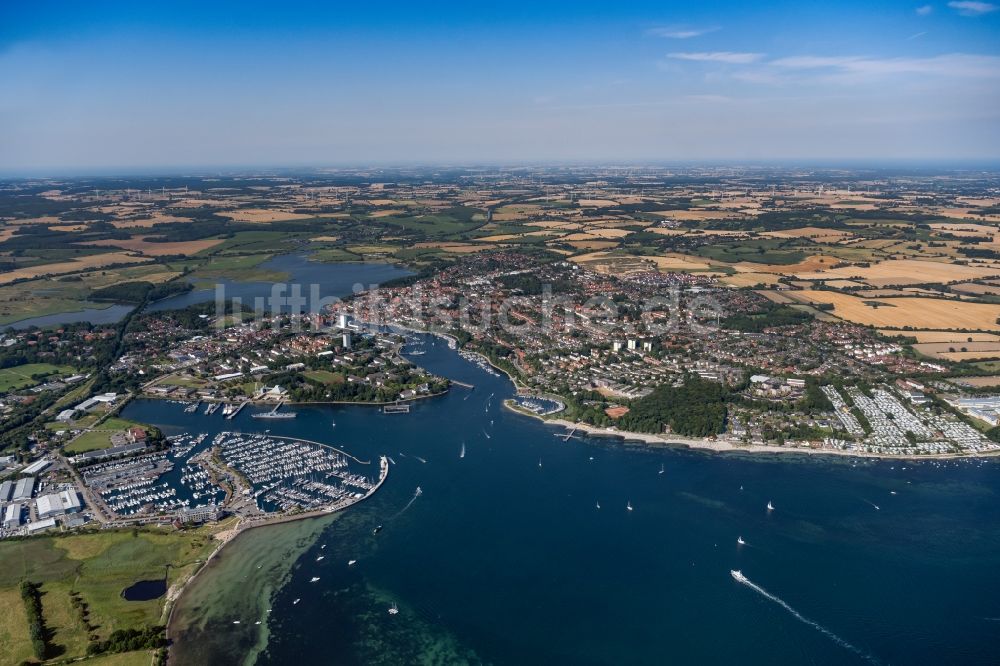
413 499
802 618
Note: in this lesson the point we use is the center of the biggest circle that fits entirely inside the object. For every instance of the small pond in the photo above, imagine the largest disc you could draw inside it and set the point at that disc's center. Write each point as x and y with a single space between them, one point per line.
145 590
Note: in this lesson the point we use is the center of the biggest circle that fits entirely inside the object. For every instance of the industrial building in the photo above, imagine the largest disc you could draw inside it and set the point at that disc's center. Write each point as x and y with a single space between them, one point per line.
24 489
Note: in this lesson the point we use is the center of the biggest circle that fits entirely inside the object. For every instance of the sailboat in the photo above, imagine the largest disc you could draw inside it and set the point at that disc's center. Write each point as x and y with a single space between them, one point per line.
661 468
628 505
598 504
740 540
539 462
770 507
462 454
394 609
333 424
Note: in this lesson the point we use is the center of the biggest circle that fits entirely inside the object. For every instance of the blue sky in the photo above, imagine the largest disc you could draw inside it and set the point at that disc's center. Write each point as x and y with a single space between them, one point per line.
111 85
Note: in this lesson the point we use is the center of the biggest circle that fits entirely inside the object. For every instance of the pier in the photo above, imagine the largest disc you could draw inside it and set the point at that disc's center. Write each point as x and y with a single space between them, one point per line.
396 409
569 435
462 384
236 410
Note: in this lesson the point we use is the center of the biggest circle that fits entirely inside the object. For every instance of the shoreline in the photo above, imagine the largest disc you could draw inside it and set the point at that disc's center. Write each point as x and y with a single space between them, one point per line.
723 446
243 526
702 444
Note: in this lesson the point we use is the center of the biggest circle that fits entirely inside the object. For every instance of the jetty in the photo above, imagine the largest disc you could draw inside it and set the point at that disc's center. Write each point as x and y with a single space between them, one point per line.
462 384
568 436
232 410
396 408
275 414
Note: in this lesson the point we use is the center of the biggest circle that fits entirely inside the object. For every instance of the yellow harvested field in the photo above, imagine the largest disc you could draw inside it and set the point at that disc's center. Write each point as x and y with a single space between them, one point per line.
499 238
388 212
77 265
978 289
68 227
966 213
905 271
45 219
929 313
325 239
972 350
668 232
677 263
969 229
969 356
946 336
507 237
556 224
750 279
812 263
606 233
980 382
592 244
263 215
817 234
774 296
383 202
843 284
599 234
597 203
158 249
7 232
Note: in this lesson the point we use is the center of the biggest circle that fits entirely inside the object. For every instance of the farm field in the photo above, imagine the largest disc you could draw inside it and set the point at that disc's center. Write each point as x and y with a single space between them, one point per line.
904 271
140 244
959 351
97 566
901 313
99 437
23 376
84 263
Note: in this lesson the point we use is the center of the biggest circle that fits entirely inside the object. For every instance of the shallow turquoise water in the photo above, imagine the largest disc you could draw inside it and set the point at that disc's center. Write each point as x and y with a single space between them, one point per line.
502 560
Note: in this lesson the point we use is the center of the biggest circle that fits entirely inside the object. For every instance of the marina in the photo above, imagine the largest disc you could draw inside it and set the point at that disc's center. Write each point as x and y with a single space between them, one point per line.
479 513
289 474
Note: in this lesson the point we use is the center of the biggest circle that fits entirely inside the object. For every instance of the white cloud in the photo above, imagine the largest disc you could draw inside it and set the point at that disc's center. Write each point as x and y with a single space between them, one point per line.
973 8
680 33
961 65
728 57
924 10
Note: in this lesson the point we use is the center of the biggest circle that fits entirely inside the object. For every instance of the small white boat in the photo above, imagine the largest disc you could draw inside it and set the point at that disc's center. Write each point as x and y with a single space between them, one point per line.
320 558
598 505
296 601
462 454
738 575
394 609
351 563
661 468
628 505
236 621
333 424
314 579
257 622
740 541
539 462
770 507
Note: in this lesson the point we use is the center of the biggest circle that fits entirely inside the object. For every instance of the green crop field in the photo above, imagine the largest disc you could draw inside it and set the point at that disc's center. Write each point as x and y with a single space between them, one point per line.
30 374
98 567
